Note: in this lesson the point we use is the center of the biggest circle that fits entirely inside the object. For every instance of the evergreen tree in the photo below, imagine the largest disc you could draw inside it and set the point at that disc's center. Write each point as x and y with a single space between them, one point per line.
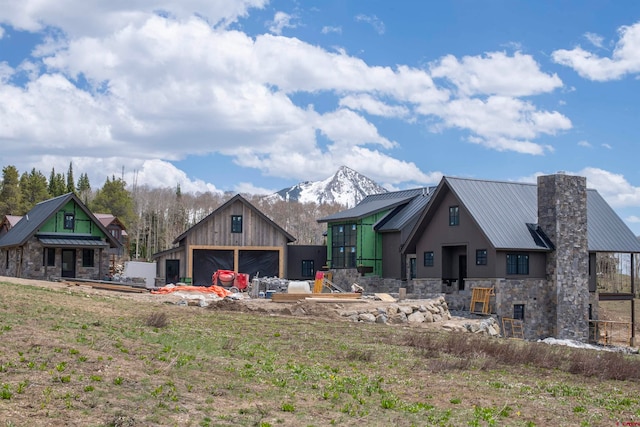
71 186
115 199
10 197
84 188
33 187
57 185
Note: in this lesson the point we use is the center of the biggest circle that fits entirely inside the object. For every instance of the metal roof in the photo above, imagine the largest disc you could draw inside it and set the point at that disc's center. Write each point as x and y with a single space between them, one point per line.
76 243
375 203
502 210
408 213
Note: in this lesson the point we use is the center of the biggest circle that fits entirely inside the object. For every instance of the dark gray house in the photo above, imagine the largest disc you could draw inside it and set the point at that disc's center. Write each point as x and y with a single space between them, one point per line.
535 245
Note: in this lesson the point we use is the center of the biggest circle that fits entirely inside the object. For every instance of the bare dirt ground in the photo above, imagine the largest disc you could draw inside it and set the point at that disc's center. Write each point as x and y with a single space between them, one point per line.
321 310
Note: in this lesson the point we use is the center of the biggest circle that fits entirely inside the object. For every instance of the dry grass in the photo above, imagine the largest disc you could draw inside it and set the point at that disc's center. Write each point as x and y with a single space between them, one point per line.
85 360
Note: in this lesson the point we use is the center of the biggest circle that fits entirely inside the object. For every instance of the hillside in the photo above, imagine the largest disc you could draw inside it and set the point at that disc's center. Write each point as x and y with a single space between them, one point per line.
74 356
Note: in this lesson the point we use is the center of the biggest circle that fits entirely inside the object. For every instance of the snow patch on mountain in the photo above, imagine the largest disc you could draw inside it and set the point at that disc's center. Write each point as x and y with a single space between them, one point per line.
346 187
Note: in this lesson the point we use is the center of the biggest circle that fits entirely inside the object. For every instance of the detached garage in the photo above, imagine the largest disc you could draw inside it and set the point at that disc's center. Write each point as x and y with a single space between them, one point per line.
236 236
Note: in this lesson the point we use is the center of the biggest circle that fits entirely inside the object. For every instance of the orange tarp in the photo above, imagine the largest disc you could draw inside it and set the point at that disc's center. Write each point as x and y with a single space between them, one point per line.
214 289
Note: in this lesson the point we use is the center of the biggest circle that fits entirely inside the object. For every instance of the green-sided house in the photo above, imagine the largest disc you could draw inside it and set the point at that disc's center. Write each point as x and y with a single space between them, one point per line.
368 237
59 237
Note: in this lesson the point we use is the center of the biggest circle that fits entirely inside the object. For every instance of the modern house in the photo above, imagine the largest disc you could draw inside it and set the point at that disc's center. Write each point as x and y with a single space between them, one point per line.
59 237
369 236
239 237
534 245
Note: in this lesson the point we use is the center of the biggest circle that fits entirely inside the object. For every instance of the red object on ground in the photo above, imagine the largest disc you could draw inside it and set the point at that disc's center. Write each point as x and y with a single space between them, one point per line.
242 281
218 290
226 277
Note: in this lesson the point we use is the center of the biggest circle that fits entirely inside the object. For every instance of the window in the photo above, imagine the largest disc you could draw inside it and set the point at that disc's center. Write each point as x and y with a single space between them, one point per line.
236 223
87 257
481 257
69 220
454 215
49 257
428 259
307 268
343 245
518 311
517 264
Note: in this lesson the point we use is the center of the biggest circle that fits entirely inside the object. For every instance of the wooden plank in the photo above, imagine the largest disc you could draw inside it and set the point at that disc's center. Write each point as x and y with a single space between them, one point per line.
385 297
110 287
338 300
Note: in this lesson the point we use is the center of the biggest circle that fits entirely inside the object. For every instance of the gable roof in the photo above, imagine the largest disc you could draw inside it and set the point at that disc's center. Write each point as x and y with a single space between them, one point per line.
375 203
12 220
507 214
30 223
108 219
236 198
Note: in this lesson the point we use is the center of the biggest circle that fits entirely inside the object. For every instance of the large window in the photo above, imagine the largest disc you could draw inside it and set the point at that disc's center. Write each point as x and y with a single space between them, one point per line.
454 215
343 245
308 268
428 259
517 264
69 220
49 257
236 223
88 257
481 257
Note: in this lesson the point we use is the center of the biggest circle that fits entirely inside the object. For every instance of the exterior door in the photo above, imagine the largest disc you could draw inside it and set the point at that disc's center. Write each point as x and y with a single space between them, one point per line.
462 271
172 271
68 263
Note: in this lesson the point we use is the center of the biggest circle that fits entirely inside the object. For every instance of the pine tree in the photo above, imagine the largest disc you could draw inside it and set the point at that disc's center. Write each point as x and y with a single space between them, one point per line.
57 185
84 188
71 186
10 197
33 188
115 199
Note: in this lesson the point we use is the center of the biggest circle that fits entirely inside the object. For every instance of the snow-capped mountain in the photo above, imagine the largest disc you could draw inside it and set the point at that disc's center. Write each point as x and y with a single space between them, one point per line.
346 187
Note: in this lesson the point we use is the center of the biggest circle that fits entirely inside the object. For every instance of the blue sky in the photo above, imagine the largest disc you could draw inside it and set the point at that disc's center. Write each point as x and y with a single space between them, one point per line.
256 95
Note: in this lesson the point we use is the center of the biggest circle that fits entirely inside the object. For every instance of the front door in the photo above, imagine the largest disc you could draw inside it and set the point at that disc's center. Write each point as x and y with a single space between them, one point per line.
462 271
68 263
172 271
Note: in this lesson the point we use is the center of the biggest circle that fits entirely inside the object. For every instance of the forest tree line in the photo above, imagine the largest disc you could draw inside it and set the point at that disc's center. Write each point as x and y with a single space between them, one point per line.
153 217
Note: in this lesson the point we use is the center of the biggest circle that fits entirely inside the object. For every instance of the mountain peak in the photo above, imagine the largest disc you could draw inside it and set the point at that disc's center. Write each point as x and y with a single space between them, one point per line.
346 187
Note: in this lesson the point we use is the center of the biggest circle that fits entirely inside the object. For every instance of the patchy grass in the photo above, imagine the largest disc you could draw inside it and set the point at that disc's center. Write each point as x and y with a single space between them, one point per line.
73 359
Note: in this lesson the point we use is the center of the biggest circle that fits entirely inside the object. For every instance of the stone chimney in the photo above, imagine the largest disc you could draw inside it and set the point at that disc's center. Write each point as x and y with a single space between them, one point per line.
562 215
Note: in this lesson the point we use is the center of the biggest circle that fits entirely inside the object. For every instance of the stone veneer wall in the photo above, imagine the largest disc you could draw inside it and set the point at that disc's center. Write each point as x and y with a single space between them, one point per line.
562 215
30 267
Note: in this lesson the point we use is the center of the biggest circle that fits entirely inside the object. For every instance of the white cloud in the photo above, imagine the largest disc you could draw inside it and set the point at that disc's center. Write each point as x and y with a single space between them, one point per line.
281 20
594 39
1 32
373 20
633 219
328 29
607 146
369 104
495 73
613 187
624 60
102 17
504 123
584 144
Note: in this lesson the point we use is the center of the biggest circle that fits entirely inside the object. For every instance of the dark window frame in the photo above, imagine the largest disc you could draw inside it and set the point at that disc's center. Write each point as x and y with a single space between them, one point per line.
517 263
518 311
69 220
454 215
48 257
428 258
308 268
88 257
236 223
481 257
344 238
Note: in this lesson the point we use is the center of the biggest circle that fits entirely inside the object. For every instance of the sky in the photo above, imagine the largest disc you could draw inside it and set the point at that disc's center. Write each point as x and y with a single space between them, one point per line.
253 96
